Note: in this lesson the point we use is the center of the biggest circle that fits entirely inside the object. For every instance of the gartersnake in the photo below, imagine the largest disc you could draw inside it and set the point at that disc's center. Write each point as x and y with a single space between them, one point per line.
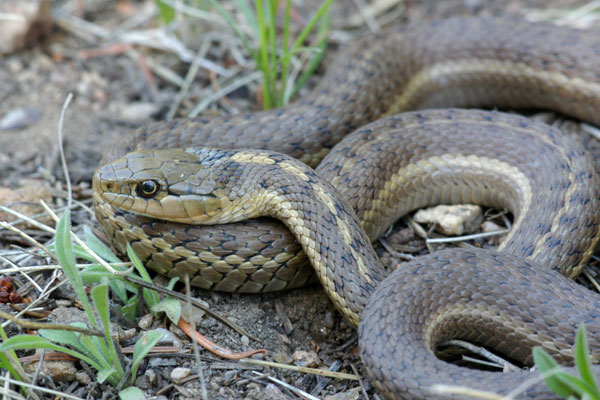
384 170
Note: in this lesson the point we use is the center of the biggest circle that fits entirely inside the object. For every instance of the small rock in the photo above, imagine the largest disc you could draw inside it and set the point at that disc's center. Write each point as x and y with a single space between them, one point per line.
452 220
146 321
272 392
328 321
25 23
151 374
59 371
229 376
245 341
143 382
281 357
490 226
83 378
139 112
127 334
305 358
169 338
20 118
352 394
180 373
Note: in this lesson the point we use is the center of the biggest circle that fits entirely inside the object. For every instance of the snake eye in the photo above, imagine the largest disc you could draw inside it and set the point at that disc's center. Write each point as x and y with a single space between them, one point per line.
147 189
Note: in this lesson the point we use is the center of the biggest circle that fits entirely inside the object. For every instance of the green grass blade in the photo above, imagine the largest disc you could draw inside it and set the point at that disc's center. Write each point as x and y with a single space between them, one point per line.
263 59
69 338
166 13
271 9
150 296
577 385
10 362
26 342
286 54
583 361
318 53
171 307
142 348
99 296
64 252
98 247
311 24
545 363
104 374
117 285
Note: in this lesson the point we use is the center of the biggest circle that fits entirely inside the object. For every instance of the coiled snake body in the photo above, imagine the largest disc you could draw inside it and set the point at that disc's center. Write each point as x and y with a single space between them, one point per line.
159 199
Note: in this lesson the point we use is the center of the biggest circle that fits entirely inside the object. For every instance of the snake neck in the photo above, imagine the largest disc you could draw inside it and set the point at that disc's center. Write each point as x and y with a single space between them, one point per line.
327 229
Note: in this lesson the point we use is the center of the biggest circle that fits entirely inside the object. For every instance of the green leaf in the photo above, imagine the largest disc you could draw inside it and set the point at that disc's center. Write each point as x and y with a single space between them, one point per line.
583 361
69 338
142 348
10 361
105 374
172 283
23 342
577 385
117 285
171 307
98 247
130 309
64 253
132 393
150 296
166 13
99 296
545 363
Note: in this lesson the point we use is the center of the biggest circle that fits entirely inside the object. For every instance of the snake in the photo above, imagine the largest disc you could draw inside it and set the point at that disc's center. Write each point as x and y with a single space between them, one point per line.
179 192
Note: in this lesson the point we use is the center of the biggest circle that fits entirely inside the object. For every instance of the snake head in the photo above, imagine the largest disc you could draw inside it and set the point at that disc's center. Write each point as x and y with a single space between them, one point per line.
194 186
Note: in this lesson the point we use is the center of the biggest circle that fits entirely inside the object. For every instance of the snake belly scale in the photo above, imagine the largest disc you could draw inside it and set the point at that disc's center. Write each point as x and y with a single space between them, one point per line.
384 170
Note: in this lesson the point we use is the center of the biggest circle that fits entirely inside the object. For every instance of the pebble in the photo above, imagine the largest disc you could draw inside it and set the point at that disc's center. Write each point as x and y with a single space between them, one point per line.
145 322
490 226
245 341
83 378
180 373
352 394
58 371
452 220
33 20
20 118
138 112
229 376
328 321
305 358
151 374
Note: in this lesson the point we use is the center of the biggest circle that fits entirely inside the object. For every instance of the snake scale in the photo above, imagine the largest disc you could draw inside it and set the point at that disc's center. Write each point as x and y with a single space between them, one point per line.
162 185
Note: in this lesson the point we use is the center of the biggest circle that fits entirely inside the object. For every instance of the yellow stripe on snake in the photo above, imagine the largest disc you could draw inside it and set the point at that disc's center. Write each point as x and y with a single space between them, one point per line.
163 197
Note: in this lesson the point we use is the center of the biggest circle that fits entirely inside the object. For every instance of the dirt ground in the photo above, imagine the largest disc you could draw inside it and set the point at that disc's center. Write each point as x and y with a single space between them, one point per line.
113 94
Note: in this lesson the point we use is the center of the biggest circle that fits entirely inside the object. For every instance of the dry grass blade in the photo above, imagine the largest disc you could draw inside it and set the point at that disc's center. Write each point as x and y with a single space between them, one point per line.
289 387
464 391
314 371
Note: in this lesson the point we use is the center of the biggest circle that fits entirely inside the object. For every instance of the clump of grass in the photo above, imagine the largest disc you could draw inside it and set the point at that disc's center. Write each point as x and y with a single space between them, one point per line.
100 350
272 47
563 384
